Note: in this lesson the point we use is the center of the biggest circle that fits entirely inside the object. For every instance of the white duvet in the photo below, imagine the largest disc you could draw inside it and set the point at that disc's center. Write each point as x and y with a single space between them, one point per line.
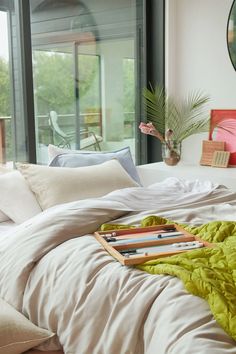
55 272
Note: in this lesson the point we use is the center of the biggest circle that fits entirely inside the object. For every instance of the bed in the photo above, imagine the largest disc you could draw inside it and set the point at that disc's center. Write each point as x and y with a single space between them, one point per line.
54 271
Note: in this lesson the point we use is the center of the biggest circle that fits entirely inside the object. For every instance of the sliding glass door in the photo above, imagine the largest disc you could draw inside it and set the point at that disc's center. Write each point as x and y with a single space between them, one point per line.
82 60
86 69
68 84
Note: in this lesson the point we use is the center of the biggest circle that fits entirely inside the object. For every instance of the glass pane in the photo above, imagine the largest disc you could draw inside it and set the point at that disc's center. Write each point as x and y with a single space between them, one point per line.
6 149
85 73
14 145
53 92
129 98
89 93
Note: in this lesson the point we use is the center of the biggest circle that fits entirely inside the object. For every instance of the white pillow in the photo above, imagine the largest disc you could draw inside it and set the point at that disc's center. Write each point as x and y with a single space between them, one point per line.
16 199
4 217
76 159
17 333
57 185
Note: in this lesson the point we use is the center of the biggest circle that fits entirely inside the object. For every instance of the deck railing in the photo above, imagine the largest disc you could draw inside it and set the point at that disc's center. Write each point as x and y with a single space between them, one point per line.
92 120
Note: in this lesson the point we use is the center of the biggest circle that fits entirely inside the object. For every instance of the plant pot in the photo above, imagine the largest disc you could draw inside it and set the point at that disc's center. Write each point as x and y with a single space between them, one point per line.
171 153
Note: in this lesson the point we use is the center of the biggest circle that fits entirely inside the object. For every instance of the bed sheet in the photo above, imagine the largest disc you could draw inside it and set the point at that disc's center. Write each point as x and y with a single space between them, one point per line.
6 226
64 281
6 231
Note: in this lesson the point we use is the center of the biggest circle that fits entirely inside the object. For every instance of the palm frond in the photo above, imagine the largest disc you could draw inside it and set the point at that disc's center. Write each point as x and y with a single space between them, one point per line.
185 118
155 102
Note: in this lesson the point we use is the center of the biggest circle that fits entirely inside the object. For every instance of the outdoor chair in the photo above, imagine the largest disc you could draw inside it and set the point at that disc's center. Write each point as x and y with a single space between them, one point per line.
87 138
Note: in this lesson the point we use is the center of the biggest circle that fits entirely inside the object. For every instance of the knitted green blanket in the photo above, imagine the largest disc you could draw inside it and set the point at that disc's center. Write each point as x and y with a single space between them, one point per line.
208 272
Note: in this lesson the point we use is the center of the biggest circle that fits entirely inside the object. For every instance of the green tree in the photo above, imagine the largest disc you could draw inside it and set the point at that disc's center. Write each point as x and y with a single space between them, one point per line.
5 104
129 82
54 82
4 88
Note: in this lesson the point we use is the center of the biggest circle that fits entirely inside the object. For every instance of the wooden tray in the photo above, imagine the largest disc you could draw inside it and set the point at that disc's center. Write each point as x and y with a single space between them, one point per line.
129 234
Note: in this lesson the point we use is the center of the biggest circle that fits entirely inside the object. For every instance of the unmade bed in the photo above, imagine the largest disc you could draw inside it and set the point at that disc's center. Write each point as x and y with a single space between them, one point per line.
54 271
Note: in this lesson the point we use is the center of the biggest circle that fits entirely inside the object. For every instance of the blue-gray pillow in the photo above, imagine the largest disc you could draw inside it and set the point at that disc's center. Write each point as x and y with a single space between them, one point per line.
77 159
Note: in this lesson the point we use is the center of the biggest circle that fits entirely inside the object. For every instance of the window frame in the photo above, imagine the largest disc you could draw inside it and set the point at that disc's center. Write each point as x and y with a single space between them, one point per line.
150 45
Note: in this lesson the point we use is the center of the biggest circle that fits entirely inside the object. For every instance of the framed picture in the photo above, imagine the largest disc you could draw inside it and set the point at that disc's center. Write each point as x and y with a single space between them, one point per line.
223 128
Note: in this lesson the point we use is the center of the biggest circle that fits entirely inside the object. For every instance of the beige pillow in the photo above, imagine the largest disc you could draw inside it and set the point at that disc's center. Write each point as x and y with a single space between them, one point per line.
17 333
16 199
57 185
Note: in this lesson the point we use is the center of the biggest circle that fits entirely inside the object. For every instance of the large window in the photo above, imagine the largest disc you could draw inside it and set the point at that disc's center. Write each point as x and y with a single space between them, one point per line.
85 57
70 70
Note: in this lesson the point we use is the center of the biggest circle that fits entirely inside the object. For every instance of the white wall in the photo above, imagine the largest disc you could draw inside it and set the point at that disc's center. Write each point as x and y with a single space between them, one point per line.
197 57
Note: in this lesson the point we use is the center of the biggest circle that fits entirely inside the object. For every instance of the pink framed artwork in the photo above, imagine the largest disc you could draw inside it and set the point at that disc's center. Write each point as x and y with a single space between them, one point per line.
223 128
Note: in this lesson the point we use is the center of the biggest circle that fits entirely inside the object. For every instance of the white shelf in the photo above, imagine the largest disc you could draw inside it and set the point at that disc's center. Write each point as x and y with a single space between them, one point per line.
157 172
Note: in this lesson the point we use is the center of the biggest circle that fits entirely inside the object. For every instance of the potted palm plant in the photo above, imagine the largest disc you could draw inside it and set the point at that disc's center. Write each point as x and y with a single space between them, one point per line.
172 122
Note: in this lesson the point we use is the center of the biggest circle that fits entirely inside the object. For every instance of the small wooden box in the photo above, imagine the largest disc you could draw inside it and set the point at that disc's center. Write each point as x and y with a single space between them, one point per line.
208 149
130 236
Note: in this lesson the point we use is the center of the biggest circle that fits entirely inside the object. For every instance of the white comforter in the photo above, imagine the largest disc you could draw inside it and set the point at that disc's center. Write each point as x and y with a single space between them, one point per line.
55 272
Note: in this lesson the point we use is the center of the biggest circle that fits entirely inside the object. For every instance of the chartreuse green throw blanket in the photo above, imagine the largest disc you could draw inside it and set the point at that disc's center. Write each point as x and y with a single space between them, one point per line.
207 272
